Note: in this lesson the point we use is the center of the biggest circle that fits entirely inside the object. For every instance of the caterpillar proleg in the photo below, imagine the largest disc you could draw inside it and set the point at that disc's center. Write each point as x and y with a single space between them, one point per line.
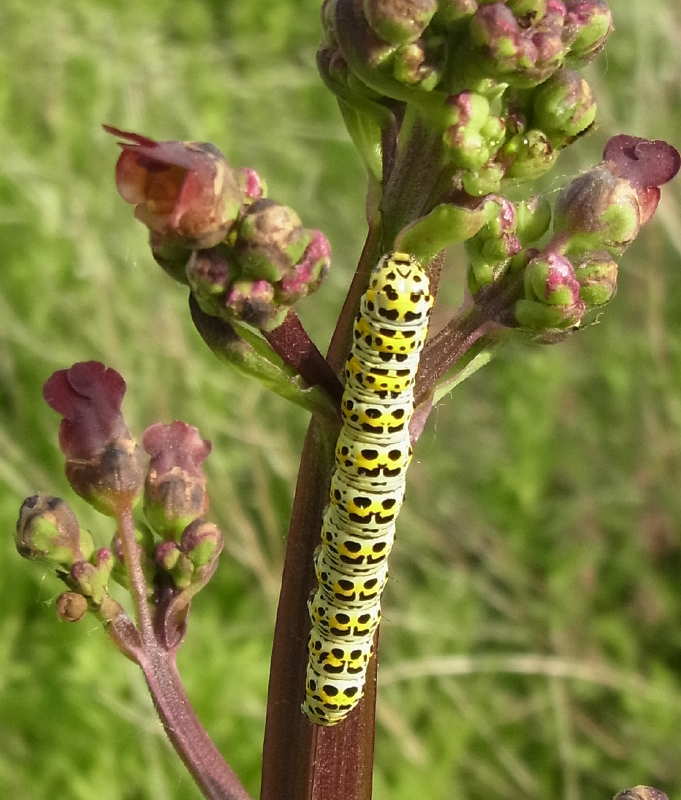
367 486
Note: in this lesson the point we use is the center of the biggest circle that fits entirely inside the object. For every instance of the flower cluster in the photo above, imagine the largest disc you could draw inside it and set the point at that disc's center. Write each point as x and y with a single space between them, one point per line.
498 80
178 548
245 257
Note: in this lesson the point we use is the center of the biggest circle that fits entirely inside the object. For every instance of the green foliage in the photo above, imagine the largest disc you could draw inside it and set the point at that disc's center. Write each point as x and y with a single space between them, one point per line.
544 508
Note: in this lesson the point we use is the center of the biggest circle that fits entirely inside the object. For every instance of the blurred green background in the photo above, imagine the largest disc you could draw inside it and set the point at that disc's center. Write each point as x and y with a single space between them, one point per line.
532 637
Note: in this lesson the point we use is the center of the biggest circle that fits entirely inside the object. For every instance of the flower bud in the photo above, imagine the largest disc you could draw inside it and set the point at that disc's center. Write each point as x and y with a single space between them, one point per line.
172 560
416 64
598 210
399 21
91 578
175 487
183 191
597 276
253 302
71 606
528 155
483 181
642 793
102 459
270 240
209 273
492 248
454 11
202 542
551 294
472 135
306 276
564 107
252 186
47 530
534 218
588 24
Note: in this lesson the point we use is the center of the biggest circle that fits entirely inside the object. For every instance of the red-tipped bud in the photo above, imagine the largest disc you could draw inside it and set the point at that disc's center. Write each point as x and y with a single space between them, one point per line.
102 459
307 275
175 488
91 578
202 542
210 273
251 184
182 191
564 106
551 294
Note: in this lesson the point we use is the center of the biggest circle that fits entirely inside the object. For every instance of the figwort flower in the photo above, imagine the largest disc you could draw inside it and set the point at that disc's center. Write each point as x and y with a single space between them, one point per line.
102 460
182 191
642 793
606 207
175 488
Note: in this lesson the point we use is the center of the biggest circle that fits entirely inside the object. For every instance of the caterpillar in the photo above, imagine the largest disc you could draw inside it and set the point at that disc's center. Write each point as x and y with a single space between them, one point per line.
367 485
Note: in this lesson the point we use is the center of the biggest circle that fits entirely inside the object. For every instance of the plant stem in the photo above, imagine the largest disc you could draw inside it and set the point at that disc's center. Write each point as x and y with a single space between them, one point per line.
191 742
137 581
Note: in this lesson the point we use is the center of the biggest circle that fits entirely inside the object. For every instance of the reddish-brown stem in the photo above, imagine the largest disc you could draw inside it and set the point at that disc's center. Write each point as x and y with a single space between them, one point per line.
191 742
133 565
291 341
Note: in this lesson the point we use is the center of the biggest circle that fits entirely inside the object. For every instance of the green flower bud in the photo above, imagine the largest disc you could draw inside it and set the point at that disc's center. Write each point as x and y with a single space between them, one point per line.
418 65
490 251
399 21
209 273
472 135
534 218
47 530
564 107
598 210
552 298
529 155
483 181
454 11
71 606
270 240
597 276
587 26
91 578
172 560
202 542
534 9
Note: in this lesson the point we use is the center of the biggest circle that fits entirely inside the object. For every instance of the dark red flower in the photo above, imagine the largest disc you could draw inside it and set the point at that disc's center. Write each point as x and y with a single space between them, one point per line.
644 163
101 455
175 489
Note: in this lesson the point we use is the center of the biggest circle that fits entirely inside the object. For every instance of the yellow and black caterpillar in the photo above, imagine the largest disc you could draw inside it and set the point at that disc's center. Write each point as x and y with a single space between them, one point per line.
367 485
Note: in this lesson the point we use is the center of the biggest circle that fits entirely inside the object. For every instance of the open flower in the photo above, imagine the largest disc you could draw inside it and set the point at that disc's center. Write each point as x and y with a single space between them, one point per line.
102 461
182 191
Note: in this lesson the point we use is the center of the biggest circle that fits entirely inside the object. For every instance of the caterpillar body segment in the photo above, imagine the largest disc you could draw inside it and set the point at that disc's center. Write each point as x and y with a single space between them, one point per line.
367 486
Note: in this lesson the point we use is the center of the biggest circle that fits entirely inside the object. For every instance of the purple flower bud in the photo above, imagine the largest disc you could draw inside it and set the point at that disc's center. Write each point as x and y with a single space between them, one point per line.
270 240
587 26
253 302
102 459
183 191
399 21
597 275
175 487
48 530
564 106
307 275
209 273
71 606
642 793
